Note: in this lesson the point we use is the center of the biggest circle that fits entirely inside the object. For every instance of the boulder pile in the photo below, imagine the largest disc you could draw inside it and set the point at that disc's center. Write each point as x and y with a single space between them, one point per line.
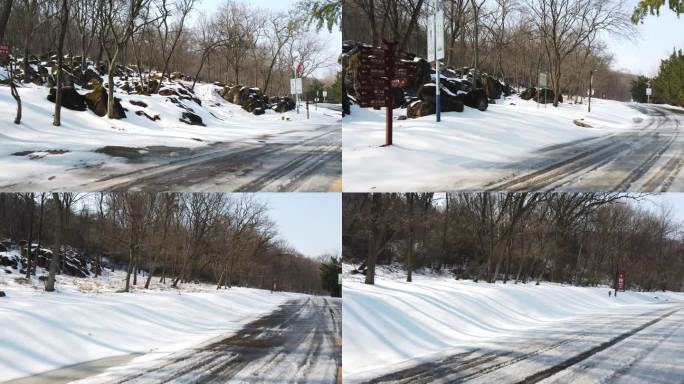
540 95
254 101
458 87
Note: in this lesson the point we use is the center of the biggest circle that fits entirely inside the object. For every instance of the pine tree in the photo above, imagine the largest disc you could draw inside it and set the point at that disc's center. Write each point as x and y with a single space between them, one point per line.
639 89
329 276
668 86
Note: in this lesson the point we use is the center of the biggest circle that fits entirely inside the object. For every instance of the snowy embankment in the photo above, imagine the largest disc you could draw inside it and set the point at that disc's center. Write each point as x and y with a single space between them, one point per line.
86 319
469 147
394 324
52 156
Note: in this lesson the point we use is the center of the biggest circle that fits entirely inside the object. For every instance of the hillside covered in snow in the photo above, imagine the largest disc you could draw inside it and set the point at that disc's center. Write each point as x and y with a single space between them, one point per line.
85 318
394 325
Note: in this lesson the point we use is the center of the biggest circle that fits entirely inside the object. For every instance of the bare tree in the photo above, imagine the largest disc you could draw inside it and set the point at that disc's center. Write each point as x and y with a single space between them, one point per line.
565 25
64 23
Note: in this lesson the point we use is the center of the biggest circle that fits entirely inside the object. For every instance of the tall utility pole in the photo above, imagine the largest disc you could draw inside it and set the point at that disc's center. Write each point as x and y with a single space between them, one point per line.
435 45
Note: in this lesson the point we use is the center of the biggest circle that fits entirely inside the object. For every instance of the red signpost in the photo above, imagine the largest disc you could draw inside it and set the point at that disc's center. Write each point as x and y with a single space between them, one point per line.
620 281
381 71
4 50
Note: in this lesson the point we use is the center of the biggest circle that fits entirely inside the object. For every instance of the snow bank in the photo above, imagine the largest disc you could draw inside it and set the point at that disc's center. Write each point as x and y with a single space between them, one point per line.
81 133
465 148
86 320
393 322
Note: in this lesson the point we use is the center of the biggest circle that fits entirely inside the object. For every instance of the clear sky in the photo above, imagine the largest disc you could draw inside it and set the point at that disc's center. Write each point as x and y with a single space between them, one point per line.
335 39
654 41
310 222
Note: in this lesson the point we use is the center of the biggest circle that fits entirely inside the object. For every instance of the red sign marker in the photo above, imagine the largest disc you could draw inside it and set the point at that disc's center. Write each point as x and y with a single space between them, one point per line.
4 50
621 281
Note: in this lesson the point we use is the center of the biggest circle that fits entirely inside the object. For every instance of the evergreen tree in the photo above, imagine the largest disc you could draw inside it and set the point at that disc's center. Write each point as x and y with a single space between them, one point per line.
639 89
668 86
329 276
646 7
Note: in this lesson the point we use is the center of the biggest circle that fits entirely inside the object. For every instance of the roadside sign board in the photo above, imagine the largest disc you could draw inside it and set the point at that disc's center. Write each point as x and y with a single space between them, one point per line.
621 281
296 86
649 91
380 71
4 50
339 278
542 80
436 36
325 94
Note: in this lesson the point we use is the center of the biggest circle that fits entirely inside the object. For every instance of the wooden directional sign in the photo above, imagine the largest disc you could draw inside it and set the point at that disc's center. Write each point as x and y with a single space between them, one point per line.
380 71
400 82
4 50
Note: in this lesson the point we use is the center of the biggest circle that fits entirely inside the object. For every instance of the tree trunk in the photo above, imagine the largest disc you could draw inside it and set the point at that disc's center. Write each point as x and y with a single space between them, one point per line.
129 270
29 258
15 95
55 259
110 91
5 11
60 62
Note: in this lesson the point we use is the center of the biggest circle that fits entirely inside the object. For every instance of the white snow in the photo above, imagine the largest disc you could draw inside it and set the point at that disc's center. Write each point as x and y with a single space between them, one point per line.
81 133
86 319
466 148
394 324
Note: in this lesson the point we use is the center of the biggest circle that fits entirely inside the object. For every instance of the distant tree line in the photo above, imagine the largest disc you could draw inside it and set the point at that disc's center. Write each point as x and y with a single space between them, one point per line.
175 238
513 40
581 239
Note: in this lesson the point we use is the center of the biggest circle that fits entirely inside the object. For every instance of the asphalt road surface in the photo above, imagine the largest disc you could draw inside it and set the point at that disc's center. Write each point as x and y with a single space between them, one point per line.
296 160
640 346
300 342
646 158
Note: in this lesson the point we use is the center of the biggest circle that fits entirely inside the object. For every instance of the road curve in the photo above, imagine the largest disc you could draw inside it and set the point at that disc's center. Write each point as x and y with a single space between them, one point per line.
645 158
637 348
309 160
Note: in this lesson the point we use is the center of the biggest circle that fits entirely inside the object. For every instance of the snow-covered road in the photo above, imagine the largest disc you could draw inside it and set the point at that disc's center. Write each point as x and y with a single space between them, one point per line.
647 158
298 342
637 345
519 146
296 160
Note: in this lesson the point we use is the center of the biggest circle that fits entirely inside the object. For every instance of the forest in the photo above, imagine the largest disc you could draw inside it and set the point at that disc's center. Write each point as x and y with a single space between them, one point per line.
176 238
513 40
581 239
237 44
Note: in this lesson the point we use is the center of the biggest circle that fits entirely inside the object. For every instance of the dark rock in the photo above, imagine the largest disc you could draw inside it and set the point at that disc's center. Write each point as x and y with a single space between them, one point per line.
493 88
258 111
42 278
6 261
283 104
477 98
138 103
168 92
402 117
420 108
97 102
449 101
143 113
2 294
71 99
192 119
528 94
